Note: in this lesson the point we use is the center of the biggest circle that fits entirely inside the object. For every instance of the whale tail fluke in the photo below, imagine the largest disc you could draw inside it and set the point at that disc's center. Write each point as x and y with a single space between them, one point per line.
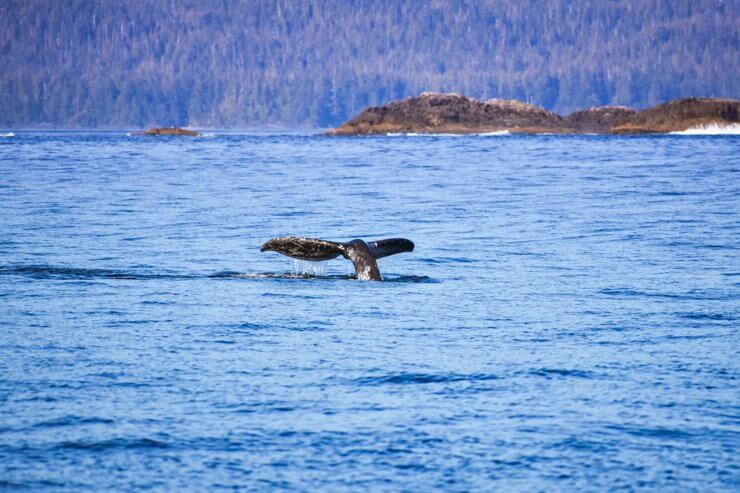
363 255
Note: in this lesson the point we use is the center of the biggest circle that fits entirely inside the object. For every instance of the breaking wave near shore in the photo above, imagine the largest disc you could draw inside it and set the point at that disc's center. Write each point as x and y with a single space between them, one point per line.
714 129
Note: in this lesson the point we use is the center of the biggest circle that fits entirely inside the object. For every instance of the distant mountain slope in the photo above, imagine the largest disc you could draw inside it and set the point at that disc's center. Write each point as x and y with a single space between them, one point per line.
222 63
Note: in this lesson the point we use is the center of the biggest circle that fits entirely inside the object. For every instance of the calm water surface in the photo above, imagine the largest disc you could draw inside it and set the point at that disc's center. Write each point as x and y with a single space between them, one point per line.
568 320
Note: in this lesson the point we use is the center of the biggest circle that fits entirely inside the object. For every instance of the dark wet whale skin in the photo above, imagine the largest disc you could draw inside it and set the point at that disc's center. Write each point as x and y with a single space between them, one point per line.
363 259
305 248
363 255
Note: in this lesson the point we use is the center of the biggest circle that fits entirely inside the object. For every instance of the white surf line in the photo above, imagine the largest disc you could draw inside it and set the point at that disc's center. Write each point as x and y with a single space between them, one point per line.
713 129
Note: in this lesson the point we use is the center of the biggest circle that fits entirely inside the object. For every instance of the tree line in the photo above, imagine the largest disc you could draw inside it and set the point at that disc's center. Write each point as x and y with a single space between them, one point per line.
309 63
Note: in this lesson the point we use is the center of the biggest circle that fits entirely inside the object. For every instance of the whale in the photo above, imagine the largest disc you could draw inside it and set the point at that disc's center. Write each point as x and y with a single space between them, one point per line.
363 255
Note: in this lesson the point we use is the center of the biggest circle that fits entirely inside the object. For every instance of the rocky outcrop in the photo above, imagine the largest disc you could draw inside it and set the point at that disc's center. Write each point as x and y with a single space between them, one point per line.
172 131
451 113
598 119
681 114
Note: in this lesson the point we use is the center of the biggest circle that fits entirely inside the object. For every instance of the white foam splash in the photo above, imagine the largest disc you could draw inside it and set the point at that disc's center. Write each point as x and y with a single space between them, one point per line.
9 134
415 134
712 129
207 134
304 267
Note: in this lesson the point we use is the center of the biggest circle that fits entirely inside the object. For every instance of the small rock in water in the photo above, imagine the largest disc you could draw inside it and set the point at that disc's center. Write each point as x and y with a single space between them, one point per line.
172 131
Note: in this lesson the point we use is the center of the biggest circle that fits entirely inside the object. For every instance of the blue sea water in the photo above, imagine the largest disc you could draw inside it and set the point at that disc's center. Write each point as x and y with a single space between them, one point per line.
567 322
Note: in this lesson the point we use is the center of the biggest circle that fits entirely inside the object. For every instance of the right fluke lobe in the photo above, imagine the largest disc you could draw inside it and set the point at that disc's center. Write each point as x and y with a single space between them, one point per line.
390 246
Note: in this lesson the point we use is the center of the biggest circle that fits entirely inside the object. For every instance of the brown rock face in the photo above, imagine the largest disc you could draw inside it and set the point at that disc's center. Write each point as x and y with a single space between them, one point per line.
598 119
172 131
451 113
682 114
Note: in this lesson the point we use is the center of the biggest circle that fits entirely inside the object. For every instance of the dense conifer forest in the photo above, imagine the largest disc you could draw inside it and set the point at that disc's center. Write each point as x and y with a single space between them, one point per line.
308 63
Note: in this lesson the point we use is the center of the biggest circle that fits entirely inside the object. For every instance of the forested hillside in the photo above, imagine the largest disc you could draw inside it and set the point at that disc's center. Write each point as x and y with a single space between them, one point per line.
223 63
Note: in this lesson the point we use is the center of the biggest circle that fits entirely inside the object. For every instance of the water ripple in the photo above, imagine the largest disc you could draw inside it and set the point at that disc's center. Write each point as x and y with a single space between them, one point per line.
567 321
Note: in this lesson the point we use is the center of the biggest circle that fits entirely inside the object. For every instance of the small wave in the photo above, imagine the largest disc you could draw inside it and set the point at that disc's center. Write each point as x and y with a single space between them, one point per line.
417 134
114 444
9 134
33 484
83 274
630 293
71 273
72 421
656 432
547 372
496 133
411 279
78 273
423 378
712 129
707 316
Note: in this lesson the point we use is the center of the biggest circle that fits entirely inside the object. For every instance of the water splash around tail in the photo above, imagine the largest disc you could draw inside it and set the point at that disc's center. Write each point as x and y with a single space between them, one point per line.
305 268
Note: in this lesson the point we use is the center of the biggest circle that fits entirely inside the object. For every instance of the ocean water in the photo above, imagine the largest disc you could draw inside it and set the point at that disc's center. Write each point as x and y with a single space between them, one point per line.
568 320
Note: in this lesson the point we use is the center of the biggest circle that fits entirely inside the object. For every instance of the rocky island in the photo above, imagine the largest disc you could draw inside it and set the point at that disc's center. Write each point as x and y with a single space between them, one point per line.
457 114
171 131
